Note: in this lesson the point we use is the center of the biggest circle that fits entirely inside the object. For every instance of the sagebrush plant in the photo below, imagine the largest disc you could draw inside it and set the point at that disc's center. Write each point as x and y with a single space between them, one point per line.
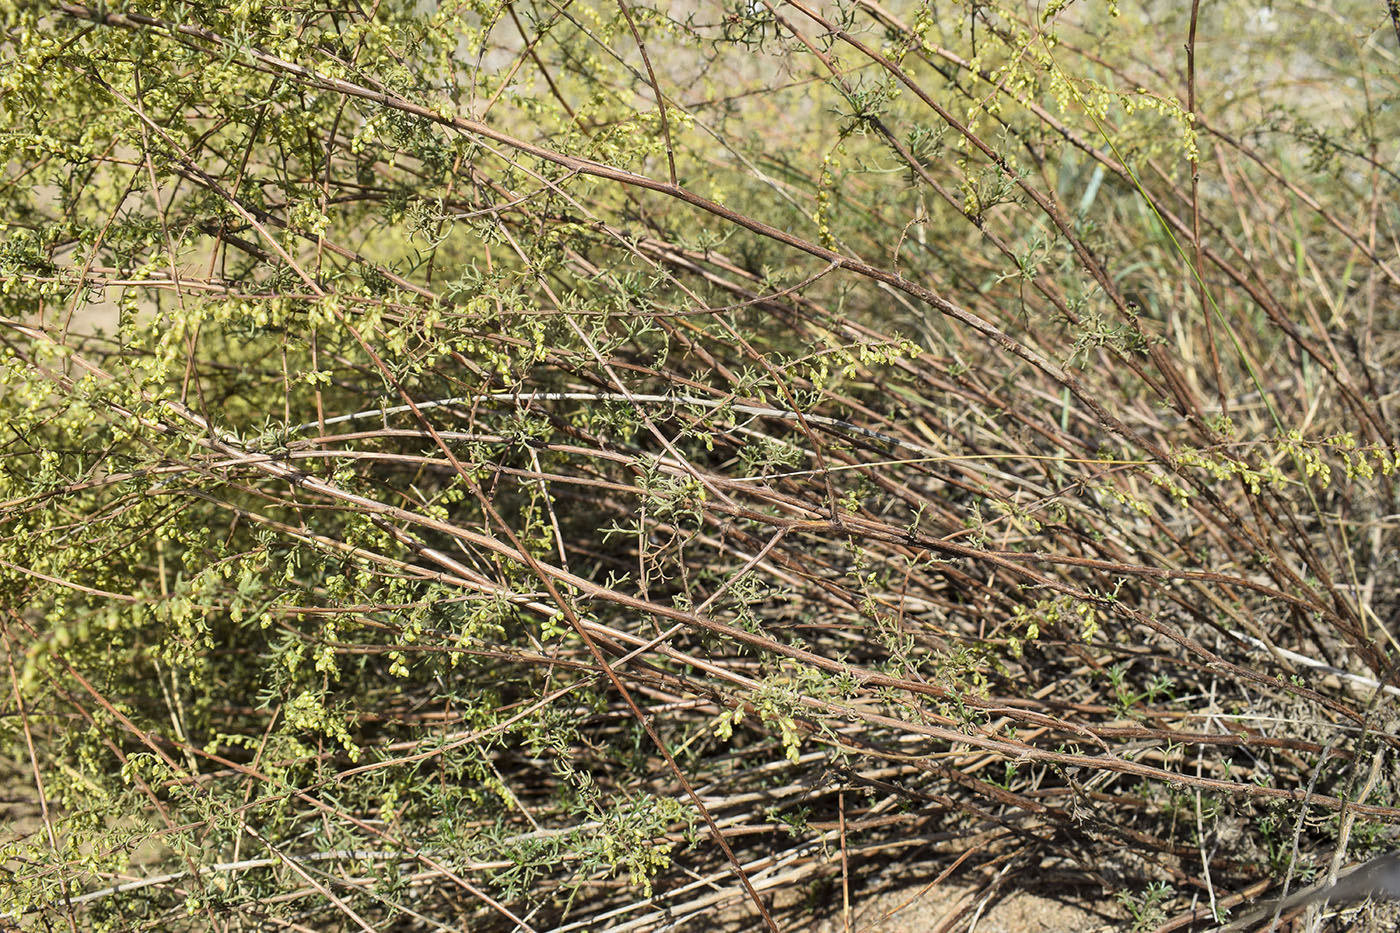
586 464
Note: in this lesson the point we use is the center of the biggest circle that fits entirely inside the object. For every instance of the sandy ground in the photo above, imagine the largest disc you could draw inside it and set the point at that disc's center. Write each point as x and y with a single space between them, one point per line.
1039 906
905 900
964 908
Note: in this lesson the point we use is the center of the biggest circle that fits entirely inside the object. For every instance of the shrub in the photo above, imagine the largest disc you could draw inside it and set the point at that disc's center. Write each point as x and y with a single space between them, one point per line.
585 465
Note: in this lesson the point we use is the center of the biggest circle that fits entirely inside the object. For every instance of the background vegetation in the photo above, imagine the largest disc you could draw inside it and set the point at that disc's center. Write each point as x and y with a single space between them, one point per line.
575 464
